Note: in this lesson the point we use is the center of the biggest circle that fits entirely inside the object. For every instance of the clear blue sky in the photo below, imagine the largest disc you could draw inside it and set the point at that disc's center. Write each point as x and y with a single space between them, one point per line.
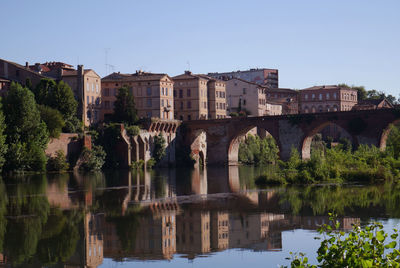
310 42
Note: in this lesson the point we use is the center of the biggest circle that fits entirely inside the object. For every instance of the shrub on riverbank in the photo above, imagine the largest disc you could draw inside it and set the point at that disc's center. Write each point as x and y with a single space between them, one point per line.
257 151
58 162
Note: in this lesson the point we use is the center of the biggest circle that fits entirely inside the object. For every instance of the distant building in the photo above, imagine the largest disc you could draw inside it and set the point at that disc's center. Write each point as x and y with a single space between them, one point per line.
333 98
14 72
153 93
4 86
246 96
273 108
381 103
265 77
85 84
199 96
289 99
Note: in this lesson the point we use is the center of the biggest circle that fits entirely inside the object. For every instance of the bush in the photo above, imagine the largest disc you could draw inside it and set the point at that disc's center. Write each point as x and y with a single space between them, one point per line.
159 148
258 151
58 162
138 164
93 159
233 114
132 130
362 247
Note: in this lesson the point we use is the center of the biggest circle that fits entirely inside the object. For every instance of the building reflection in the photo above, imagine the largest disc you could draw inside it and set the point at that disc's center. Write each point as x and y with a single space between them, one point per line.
155 215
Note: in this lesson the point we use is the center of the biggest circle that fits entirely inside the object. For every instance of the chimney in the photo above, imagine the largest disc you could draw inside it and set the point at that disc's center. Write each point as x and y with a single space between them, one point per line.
27 65
188 72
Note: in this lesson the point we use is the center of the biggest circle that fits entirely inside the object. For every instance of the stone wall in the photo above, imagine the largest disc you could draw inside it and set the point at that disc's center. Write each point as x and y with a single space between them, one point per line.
69 143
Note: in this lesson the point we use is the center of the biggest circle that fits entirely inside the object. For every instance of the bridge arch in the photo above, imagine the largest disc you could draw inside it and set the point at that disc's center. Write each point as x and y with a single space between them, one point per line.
307 141
385 134
234 143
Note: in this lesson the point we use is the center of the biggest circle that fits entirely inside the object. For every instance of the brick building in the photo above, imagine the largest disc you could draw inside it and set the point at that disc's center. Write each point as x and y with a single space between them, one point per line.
327 99
265 77
373 104
153 93
288 98
14 72
199 96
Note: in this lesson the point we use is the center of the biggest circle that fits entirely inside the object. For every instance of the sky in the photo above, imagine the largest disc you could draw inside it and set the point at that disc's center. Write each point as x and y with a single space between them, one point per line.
318 42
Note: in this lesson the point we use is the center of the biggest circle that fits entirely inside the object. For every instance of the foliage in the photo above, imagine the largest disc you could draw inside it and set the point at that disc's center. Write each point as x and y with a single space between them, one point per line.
258 151
138 164
58 162
27 135
132 130
124 107
93 159
393 141
3 145
151 163
159 148
109 136
53 120
233 114
363 94
361 247
59 96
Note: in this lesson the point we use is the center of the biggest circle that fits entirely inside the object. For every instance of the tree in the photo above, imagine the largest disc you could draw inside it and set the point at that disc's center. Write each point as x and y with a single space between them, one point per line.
27 135
59 96
124 107
159 148
3 145
53 119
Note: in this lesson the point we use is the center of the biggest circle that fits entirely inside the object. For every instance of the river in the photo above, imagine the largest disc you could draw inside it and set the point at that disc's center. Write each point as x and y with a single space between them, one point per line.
206 217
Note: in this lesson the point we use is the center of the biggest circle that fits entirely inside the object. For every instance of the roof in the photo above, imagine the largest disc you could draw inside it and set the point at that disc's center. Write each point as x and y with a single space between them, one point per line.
374 102
138 76
248 82
327 87
238 71
23 67
190 75
4 80
285 90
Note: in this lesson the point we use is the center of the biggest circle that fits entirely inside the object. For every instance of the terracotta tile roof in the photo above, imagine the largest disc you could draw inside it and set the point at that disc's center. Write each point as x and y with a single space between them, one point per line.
138 76
248 82
281 90
23 67
374 102
327 87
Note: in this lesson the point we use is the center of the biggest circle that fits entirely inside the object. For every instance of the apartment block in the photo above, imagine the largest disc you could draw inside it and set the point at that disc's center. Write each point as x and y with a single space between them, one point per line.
330 98
243 95
216 98
191 96
14 72
265 77
153 93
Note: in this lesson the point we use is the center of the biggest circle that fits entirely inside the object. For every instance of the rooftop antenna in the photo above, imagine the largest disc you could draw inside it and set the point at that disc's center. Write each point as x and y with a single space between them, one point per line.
188 65
106 59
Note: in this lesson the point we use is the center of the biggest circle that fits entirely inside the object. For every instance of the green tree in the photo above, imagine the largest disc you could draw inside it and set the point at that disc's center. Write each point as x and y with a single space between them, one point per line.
59 96
93 159
159 148
124 107
53 119
27 135
3 145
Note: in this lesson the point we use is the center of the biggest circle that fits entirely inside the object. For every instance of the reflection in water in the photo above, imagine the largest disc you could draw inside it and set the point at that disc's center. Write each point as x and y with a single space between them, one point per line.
78 220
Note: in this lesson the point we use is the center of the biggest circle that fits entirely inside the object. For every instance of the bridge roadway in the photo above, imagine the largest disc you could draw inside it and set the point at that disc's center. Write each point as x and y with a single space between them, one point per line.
218 140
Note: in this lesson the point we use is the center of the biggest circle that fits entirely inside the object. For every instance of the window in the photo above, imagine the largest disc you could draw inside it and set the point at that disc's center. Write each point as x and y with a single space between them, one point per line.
87 99
189 104
174 93
162 103
97 101
92 99
180 93
115 91
181 104
106 104
313 96
327 96
244 102
97 88
188 92
320 96
244 91
107 92
92 87
149 103
95 115
189 117
334 96
149 114
87 87
89 114
149 91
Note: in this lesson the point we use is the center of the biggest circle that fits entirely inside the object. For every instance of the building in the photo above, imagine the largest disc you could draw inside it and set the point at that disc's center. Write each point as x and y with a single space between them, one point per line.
191 96
265 77
153 93
273 108
4 86
13 72
246 96
85 84
332 98
374 104
216 95
289 99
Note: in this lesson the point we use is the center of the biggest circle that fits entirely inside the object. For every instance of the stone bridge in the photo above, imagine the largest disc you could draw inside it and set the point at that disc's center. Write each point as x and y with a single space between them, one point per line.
218 140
